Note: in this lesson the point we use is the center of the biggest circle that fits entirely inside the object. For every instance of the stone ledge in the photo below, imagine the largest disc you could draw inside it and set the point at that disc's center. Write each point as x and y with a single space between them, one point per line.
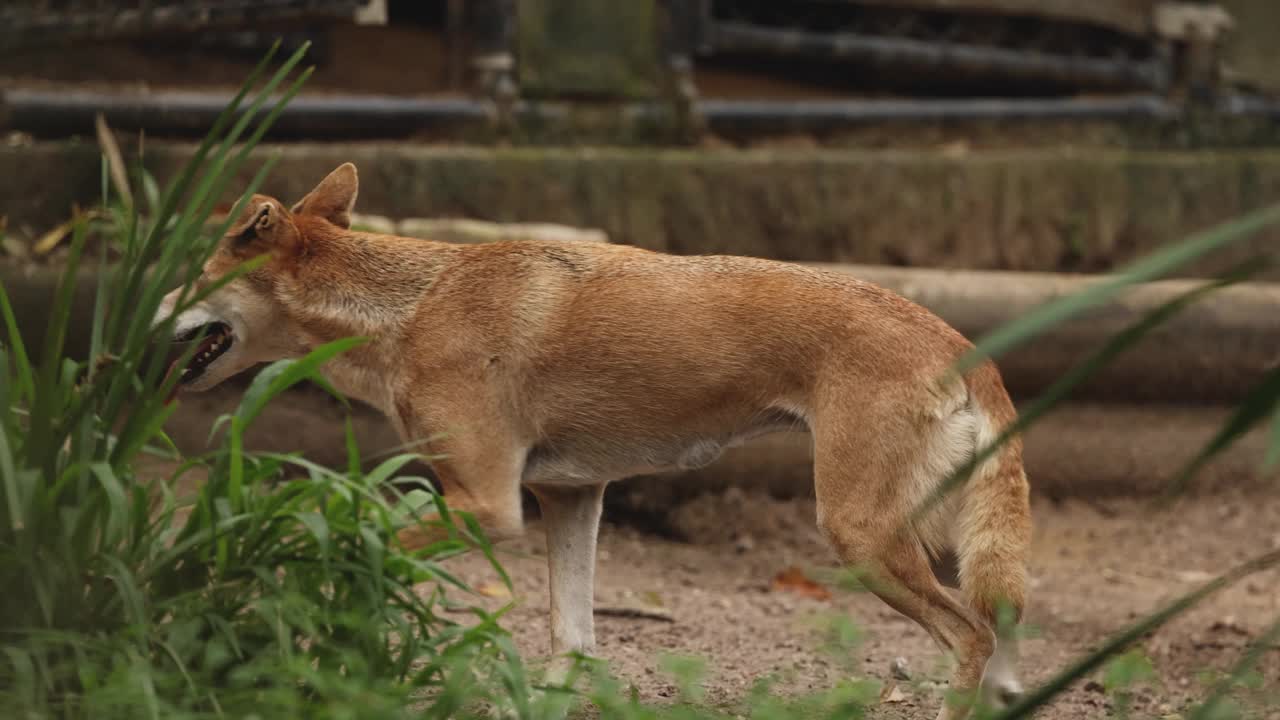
1035 210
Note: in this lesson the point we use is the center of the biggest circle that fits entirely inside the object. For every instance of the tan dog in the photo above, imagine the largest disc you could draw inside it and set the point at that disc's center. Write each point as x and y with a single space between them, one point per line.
564 366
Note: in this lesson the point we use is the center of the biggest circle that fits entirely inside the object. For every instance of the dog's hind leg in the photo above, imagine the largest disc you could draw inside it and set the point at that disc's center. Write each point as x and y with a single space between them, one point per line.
865 464
571 515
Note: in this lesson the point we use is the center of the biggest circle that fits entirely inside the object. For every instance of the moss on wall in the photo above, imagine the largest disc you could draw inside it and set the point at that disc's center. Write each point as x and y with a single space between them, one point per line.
1011 210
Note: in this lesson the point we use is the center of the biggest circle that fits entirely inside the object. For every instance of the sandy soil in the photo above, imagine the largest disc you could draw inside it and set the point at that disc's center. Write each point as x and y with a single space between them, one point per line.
1095 568
709 564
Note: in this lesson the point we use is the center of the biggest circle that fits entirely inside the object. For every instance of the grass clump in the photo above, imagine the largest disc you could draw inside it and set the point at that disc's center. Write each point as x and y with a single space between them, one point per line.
276 589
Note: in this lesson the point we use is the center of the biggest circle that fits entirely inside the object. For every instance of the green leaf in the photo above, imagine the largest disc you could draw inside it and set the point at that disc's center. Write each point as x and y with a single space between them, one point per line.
21 364
353 451
387 469
117 509
235 456
1127 670
1061 388
318 527
1261 403
1273 449
284 374
1152 267
1024 707
1215 705
14 497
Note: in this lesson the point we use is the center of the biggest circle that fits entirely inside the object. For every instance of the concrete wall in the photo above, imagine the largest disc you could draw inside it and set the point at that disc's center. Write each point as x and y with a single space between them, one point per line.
1042 210
1254 48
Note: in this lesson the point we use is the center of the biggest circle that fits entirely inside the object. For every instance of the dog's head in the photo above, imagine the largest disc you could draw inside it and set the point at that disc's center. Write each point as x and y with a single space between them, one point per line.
249 320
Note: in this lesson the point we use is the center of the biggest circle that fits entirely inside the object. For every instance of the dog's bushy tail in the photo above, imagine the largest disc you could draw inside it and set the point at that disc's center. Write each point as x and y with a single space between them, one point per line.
994 535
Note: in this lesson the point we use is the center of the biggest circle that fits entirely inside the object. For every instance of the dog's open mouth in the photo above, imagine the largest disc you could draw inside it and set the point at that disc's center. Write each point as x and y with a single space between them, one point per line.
216 342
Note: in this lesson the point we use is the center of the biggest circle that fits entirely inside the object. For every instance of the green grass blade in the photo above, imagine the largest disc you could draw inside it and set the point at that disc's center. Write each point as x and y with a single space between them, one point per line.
152 419
1261 403
149 301
353 451
387 469
1208 710
1121 640
173 194
117 508
1273 447
128 592
316 524
205 196
1152 267
1061 388
13 495
235 455
18 351
281 375
49 392
211 185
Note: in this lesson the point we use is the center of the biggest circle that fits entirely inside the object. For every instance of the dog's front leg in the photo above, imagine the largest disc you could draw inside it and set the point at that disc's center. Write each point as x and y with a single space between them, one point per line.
571 515
477 477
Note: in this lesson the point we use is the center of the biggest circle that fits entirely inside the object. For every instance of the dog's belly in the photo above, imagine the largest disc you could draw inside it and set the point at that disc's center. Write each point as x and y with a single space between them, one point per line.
592 459
592 466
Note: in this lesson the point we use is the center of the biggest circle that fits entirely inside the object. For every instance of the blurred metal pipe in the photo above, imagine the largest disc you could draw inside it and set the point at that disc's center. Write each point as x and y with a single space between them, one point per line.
1068 70
775 115
63 112
1250 106
52 113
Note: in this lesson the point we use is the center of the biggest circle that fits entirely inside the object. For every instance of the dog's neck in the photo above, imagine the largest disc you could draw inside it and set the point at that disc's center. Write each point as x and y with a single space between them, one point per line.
361 284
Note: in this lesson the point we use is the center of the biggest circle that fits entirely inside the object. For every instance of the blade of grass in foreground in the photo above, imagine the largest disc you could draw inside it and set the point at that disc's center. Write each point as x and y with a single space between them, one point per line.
1273 451
25 386
213 184
1261 403
1081 372
1153 267
41 438
1208 710
145 252
1125 638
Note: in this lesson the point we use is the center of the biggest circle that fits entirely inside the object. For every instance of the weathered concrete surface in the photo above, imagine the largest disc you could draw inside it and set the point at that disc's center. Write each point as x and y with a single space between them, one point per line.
1037 210
455 230
1252 50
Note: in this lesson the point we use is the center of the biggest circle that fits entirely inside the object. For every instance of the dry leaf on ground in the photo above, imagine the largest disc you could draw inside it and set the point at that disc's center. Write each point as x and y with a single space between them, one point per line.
794 580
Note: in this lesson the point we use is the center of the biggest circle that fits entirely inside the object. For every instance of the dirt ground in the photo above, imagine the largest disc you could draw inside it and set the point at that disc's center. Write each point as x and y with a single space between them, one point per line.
708 565
1095 569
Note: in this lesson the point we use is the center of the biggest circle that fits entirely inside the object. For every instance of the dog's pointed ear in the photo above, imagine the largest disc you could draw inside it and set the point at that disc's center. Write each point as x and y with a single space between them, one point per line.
334 198
262 226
